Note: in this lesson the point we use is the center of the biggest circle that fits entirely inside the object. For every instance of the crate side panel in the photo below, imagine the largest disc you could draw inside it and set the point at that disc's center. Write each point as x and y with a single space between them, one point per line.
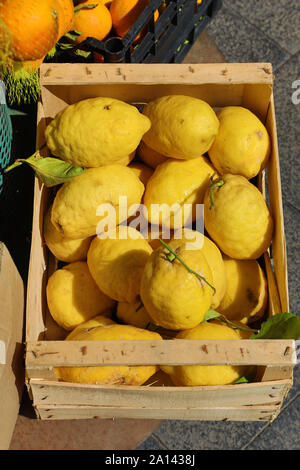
275 197
58 393
215 95
248 413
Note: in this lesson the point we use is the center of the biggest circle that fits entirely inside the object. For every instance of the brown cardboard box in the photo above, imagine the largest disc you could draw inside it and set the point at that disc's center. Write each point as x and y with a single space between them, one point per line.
11 345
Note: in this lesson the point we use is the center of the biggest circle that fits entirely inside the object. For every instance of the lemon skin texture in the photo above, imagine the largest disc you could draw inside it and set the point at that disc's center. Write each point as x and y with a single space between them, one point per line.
133 314
177 182
246 295
73 296
143 172
242 145
96 131
94 322
115 375
74 210
213 257
64 249
175 298
239 222
149 156
197 375
117 264
181 126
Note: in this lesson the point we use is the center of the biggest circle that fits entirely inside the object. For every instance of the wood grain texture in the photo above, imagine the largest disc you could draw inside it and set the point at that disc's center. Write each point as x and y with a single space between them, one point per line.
60 393
167 352
248 413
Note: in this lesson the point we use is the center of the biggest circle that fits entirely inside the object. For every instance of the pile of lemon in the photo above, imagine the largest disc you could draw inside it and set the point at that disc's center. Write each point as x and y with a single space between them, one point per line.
177 150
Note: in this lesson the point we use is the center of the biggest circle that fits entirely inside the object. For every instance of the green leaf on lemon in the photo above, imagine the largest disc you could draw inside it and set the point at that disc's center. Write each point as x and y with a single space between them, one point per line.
51 171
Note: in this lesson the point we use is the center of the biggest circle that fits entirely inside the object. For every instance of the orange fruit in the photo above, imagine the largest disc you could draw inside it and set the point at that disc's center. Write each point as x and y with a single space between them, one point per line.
33 26
107 3
124 13
65 16
98 58
93 22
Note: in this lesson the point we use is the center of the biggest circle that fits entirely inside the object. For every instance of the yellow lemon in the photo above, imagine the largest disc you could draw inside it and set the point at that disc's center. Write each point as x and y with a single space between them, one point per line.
174 297
237 217
195 375
133 314
64 249
242 145
115 375
246 295
86 326
73 296
126 160
214 259
81 204
174 189
143 172
181 126
116 264
96 131
154 233
149 156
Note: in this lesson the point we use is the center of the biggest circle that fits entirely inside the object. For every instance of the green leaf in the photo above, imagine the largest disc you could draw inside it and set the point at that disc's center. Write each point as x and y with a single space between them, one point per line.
242 380
280 326
51 171
211 315
82 53
249 377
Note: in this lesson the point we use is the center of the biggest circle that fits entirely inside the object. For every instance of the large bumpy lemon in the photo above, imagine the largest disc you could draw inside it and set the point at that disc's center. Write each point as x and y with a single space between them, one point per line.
149 156
213 256
195 375
174 297
237 217
181 126
64 249
73 296
242 145
94 196
174 190
133 314
96 131
246 294
117 262
127 375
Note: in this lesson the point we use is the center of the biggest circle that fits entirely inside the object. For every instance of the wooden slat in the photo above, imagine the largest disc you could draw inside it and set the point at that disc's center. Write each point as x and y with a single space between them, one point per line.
172 352
60 393
79 74
275 197
248 413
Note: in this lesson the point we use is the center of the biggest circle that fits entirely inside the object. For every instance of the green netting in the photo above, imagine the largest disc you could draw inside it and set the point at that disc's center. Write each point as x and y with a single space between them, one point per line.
5 134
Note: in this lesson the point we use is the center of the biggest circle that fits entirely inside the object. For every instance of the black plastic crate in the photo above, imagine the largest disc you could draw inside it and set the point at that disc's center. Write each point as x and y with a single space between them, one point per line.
167 40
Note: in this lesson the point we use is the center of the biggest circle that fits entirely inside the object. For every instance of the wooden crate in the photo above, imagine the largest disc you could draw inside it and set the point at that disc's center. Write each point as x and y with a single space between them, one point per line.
248 85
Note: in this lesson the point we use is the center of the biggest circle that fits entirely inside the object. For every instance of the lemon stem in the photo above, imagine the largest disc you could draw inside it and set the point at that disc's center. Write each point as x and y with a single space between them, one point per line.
174 255
225 320
212 186
85 7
